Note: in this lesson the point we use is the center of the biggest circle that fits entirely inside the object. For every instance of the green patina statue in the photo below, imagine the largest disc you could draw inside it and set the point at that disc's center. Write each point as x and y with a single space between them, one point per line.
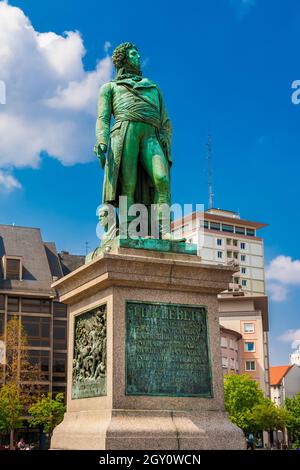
138 145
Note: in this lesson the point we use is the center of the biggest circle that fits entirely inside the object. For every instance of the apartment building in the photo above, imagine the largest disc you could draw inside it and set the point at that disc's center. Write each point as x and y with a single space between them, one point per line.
243 308
228 239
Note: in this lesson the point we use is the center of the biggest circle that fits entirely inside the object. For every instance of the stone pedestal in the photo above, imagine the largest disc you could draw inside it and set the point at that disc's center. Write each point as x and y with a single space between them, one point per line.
169 412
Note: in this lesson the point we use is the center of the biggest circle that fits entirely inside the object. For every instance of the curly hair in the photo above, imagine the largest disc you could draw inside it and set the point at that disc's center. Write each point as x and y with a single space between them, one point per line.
119 56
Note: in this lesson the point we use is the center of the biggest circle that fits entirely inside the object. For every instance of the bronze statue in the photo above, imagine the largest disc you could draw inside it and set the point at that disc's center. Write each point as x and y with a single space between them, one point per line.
138 145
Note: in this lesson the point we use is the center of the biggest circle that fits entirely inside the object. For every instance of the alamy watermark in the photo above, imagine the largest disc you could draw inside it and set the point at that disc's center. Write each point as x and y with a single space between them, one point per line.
181 222
295 96
2 92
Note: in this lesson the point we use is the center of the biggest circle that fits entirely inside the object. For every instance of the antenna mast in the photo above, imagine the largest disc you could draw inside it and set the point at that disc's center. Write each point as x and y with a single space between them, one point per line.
210 172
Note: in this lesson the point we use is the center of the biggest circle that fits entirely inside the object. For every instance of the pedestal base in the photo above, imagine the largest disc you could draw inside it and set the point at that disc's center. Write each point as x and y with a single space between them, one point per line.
164 380
147 430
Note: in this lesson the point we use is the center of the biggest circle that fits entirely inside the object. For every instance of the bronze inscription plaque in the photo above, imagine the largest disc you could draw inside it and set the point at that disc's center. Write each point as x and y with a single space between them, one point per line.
167 351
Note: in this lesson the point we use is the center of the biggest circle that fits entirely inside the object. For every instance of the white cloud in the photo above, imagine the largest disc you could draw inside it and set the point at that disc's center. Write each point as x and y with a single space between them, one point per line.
107 46
291 336
282 273
8 182
284 270
51 100
278 292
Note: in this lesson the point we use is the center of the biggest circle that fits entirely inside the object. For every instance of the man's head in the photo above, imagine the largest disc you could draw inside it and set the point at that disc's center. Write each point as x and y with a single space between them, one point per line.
127 56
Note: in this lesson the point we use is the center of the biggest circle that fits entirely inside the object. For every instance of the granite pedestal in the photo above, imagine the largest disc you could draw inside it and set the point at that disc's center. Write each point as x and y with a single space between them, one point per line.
168 412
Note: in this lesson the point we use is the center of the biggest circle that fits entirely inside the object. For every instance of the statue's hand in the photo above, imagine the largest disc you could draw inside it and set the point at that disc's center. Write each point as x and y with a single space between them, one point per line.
99 150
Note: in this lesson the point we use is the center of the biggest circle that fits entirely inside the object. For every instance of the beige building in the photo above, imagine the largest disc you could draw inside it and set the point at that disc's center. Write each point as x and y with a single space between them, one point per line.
247 315
230 350
228 239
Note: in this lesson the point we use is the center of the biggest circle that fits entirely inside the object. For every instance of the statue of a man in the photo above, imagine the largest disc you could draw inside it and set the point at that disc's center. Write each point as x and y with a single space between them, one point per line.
138 145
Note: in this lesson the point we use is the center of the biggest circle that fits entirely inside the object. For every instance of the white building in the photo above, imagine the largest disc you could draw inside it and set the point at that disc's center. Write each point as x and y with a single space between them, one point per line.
284 382
229 239
295 356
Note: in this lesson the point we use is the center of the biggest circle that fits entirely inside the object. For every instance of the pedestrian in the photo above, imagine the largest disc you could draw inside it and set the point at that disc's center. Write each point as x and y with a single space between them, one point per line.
250 441
21 444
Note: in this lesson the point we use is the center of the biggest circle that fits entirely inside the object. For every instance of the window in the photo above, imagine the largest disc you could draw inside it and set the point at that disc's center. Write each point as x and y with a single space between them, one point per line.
36 306
240 230
59 367
243 270
249 346
219 241
231 345
235 243
13 304
227 228
228 241
236 280
224 342
204 224
250 232
59 335
215 226
243 257
250 365
37 330
244 282
40 361
13 268
220 254
59 310
235 255
2 302
229 254
243 246
248 327
224 362
232 363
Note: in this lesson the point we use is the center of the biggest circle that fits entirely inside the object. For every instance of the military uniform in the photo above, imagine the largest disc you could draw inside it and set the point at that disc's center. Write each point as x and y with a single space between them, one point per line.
139 142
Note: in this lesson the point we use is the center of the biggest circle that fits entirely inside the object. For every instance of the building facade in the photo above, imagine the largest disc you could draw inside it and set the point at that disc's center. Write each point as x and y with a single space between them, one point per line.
228 239
285 383
247 315
295 356
230 350
28 268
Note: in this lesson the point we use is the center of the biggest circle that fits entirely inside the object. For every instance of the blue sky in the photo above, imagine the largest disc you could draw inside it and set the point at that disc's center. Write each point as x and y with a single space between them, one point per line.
223 65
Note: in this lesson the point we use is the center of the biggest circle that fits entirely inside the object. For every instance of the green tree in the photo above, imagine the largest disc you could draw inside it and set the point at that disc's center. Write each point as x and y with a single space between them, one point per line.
18 368
11 407
47 412
242 394
269 417
292 405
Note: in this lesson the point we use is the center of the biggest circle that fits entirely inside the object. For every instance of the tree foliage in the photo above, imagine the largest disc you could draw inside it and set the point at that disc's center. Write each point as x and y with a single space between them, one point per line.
18 369
242 394
268 417
292 405
249 409
11 407
47 412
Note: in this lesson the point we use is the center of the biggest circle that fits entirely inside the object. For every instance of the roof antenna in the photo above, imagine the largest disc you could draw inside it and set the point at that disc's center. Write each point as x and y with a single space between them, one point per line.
210 172
87 248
